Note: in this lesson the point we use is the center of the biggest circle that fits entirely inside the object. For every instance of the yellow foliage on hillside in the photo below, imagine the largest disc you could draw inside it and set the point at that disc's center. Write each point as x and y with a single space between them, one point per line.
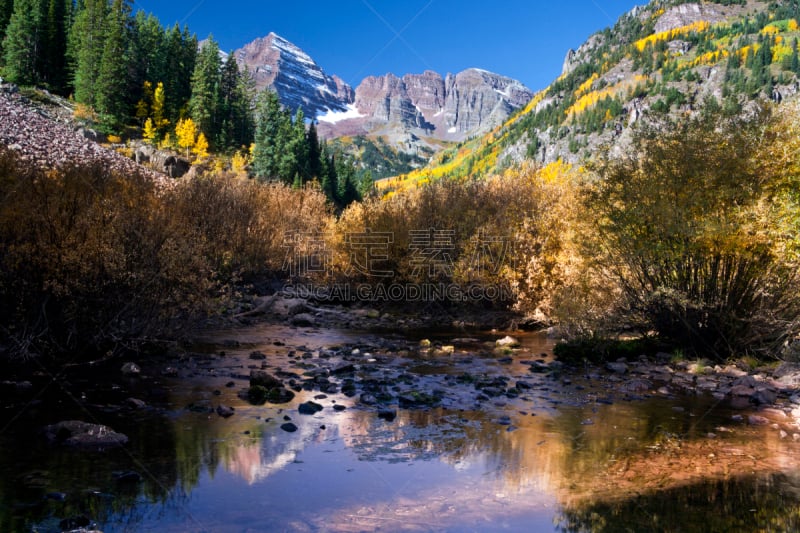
585 86
536 100
747 50
710 58
669 35
589 100
780 51
555 171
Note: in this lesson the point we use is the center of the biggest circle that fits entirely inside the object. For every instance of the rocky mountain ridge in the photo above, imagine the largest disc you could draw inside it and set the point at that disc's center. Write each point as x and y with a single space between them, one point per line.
450 108
404 109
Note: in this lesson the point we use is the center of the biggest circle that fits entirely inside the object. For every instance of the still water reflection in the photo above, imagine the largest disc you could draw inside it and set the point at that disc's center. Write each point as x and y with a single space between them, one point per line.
663 464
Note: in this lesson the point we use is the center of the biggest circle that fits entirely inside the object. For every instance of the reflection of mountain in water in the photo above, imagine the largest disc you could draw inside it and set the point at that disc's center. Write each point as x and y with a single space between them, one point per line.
592 457
256 459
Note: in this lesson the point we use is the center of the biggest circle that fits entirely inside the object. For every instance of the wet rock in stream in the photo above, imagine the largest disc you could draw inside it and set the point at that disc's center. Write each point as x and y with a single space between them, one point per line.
225 411
258 395
387 414
309 408
289 427
263 379
83 435
130 369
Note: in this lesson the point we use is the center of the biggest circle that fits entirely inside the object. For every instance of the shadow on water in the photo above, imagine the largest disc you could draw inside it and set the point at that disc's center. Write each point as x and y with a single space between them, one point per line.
557 457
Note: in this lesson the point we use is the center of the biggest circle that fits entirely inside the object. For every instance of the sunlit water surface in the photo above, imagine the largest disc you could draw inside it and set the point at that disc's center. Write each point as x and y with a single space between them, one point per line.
571 455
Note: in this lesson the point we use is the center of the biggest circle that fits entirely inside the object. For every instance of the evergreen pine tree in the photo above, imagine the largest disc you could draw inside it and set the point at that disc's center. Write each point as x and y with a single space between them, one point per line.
57 24
86 49
314 153
365 184
234 108
300 146
287 141
23 43
148 55
268 141
206 81
112 81
245 111
345 188
328 179
6 9
180 56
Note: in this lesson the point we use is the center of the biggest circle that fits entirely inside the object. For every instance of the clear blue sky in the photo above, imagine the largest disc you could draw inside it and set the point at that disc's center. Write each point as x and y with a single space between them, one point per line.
523 39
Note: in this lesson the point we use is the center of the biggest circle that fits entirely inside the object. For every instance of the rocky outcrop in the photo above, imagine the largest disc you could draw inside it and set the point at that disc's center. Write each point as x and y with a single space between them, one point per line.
299 81
163 161
450 108
387 99
584 51
478 100
685 14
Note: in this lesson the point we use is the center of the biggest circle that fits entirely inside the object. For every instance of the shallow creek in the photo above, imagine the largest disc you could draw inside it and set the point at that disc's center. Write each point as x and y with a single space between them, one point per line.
458 436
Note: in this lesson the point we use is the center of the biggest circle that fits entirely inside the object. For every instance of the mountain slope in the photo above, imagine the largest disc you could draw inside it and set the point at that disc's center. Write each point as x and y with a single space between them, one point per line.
668 57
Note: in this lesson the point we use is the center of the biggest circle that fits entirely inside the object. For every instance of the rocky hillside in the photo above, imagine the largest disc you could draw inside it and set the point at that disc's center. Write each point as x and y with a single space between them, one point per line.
669 57
48 139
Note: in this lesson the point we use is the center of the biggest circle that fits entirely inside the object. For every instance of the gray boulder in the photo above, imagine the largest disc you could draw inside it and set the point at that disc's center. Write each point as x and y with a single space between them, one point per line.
175 166
144 153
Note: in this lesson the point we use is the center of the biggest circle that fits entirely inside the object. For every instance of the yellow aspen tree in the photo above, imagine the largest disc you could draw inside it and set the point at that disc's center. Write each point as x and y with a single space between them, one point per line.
186 131
142 106
150 133
201 146
239 163
166 142
159 99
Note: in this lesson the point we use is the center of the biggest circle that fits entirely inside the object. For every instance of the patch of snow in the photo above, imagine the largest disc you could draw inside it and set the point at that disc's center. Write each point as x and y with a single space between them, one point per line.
324 88
439 113
332 117
281 44
452 130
